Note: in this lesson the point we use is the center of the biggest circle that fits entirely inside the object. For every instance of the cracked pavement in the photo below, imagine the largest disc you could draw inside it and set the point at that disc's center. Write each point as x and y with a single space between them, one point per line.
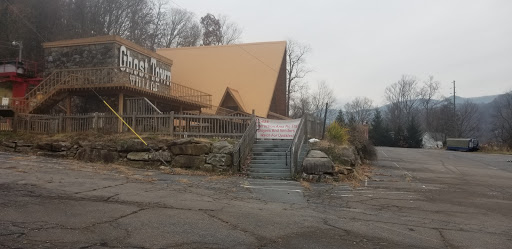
415 199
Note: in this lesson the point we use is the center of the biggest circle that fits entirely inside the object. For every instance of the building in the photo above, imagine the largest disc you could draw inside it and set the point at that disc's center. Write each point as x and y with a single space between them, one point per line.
246 78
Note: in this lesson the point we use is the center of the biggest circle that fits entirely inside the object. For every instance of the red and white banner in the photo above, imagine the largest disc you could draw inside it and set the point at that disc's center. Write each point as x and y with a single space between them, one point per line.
277 129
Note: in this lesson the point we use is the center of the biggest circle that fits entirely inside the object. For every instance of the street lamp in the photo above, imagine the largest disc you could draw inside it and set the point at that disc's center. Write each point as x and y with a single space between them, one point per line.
20 44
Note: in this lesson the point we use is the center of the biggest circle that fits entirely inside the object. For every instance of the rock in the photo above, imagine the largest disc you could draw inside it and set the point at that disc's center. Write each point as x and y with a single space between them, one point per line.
183 141
138 156
52 154
9 144
222 147
219 159
207 167
190 149
60 146
44 146
310 178
316 154
344 170
185 161
317 166
133 145
108 156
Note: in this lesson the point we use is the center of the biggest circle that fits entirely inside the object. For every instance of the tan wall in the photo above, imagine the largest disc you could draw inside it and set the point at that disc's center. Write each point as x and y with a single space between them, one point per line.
278 104
5 90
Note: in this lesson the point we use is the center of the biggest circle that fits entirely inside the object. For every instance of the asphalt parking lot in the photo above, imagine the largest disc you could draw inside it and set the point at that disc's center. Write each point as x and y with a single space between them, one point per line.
415 199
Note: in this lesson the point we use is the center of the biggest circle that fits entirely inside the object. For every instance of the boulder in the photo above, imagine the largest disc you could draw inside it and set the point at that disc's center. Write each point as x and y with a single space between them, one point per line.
44 146
133 145
222 147
60 146
184 141
207 168
185 161
219 159
190 149
317 166
149 156
138 156
316 154
52 154
108 156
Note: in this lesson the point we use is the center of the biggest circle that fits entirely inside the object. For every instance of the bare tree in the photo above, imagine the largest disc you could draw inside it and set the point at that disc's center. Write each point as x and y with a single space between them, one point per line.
301 104
230 31
402 97
468 120
359 110
322 95
191 36
427 94
178 24
502 119
296 68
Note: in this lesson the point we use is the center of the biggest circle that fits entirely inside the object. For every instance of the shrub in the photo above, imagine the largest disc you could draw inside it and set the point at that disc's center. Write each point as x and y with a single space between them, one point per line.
337 133
364 147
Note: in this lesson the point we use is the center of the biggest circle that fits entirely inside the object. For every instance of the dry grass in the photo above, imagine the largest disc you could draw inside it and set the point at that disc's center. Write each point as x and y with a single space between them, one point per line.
360 174
217 177
305 185
494 149
184 181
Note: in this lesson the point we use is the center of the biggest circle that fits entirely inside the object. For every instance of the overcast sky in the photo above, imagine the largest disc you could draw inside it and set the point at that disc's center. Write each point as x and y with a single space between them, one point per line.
359 47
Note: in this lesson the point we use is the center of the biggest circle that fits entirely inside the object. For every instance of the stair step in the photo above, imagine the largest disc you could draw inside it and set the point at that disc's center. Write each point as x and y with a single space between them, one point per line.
270 175
269 170
269 149
288 142
269 165
267 153
267 157
270 161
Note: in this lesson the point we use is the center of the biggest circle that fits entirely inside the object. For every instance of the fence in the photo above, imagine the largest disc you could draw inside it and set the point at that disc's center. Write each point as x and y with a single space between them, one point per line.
178 125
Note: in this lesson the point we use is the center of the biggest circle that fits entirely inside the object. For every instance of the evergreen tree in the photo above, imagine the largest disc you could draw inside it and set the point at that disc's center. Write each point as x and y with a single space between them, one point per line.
413 134
379 133
340 119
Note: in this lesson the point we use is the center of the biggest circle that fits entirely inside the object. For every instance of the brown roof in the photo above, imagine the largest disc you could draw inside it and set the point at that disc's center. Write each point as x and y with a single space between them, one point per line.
106 39
250 68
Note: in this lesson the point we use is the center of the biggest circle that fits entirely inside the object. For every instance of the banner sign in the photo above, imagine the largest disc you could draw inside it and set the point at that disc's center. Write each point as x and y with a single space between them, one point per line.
277 129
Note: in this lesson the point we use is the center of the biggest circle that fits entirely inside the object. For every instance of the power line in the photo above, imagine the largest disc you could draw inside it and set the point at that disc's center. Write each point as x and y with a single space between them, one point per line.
255 57
25 21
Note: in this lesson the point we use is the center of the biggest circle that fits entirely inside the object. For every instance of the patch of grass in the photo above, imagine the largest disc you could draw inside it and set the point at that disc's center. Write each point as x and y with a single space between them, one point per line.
184 181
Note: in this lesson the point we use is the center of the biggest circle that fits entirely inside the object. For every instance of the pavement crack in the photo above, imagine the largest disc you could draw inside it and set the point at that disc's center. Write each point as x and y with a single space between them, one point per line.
92 190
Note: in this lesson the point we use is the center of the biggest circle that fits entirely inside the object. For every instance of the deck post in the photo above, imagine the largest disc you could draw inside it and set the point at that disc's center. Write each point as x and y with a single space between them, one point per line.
120 112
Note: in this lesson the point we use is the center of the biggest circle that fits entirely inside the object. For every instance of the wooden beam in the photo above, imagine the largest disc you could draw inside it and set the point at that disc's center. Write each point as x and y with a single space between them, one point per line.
120 112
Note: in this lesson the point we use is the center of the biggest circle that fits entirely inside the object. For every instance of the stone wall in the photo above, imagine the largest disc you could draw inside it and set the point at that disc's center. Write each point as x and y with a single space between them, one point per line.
187 153
82 56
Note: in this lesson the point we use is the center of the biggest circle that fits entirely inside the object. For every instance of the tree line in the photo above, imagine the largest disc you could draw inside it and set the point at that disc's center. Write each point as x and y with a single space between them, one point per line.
414 107
149 23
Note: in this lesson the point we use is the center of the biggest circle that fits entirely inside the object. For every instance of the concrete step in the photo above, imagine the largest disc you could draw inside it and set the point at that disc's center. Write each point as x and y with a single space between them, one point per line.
266 153
270 166
269 170
274 166
259 146
281 142
270 175
269 149
265 157
261 161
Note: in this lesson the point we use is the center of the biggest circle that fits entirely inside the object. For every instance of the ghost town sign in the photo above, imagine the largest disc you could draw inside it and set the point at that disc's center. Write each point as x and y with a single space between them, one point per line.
143 73
277 129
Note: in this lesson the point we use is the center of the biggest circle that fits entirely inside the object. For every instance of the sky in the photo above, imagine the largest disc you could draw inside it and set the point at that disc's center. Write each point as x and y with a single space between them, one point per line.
359 47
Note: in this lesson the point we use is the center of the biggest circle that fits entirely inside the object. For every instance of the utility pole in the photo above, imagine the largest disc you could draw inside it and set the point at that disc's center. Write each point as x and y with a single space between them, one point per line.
454 112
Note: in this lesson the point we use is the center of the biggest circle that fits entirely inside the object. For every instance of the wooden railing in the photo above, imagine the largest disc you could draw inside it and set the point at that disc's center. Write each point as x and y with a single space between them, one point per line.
113 76
177 125
243 147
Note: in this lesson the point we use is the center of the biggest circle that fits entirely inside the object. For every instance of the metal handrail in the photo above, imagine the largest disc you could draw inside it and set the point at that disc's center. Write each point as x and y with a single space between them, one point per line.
244 146
292 154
